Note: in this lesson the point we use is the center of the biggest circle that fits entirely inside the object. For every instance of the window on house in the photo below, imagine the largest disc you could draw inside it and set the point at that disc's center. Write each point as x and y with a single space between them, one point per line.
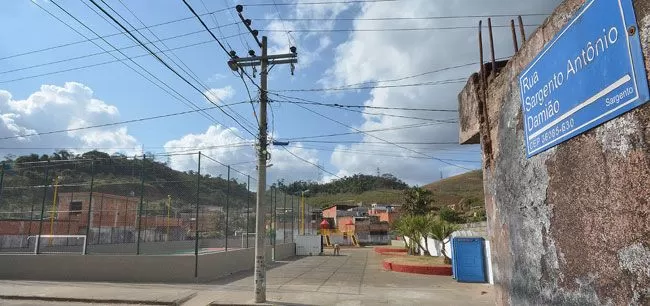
75 207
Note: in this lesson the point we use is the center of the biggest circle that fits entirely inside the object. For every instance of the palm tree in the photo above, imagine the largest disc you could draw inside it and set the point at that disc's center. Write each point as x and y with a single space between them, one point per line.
414 228
441 230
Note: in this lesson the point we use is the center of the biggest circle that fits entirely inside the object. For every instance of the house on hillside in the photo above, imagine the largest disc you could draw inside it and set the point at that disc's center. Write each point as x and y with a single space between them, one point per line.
353 219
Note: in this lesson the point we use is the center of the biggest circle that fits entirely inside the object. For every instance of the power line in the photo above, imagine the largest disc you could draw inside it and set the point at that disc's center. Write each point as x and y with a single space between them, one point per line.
379 138
217 40
375 142
116 123
169 67
310 102
96 64
431 83
395 29
318 3
366 153
218 162
187 70
451 120
107 36
136 71
409 18
409 126
307 161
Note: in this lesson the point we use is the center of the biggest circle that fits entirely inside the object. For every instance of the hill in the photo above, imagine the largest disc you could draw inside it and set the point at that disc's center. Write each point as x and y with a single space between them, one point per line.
24 177
464 192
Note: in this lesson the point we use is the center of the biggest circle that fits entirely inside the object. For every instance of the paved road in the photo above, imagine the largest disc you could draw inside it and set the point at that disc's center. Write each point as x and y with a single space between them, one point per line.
355 278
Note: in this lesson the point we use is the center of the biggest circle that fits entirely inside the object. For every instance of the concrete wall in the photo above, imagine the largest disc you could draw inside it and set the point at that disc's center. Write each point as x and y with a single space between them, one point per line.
570 226
133 268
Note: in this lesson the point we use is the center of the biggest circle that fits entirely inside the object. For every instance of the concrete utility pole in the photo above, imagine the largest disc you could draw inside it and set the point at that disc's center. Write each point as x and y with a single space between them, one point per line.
236 63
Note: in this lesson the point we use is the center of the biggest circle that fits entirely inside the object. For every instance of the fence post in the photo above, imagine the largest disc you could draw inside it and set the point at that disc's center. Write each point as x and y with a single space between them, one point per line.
40 221
275 219
196 221
227 204
101 212
90 204
284 219
248 204
137 248
2 178
293 217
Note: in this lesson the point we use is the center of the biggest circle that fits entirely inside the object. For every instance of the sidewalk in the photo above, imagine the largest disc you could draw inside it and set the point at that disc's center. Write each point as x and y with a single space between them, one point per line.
355 278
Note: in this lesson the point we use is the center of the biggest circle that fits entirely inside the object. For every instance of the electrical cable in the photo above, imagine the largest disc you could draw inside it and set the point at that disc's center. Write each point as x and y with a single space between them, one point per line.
310 102
306 161
116 123
379 138
170 68
409 126
122 53
440 82
187 70
451 120
408 18
396 29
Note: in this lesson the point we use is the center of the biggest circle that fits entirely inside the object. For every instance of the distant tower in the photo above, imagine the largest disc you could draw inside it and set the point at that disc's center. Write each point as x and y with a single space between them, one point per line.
320 172
378 172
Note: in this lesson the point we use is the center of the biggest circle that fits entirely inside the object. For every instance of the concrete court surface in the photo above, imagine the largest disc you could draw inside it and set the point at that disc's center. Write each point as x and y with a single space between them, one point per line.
354 278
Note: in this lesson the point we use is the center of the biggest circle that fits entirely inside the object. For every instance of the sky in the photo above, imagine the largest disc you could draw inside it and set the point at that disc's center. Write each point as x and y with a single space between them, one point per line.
57 76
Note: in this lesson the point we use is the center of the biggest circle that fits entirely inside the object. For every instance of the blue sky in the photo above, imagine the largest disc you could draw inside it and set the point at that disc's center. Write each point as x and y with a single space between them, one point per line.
113 92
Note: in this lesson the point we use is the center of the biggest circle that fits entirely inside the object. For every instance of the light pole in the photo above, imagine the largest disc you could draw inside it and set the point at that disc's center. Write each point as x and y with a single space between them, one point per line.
302 211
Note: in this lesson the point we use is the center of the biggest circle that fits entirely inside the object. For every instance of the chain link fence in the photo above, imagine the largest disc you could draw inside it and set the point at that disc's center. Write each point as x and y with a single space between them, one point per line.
136 205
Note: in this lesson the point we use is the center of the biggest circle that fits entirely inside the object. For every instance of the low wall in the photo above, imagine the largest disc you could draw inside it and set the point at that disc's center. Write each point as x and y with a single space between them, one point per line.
133 268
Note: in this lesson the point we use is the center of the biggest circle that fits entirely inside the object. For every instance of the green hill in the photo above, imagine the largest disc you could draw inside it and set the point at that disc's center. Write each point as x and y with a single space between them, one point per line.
24 177
463 193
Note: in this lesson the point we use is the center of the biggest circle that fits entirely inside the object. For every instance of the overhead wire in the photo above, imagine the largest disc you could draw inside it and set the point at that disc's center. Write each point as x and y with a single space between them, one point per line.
115 123
310 102
96 64
187 70
397 29
182 98
104 36
402 127
372 153
379 138
307 161
319 2
171 68
430 83
450 120
410 18
217 40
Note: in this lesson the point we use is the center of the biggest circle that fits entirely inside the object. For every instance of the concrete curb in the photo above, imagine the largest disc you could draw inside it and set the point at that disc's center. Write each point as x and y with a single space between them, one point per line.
429 270
176 302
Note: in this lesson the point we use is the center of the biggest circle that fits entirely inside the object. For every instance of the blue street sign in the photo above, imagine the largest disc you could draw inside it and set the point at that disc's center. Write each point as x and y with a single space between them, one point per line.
591 72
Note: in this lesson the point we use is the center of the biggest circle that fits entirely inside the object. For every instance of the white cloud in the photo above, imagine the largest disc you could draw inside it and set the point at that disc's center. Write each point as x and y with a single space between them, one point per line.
224 145
310 45
217 95
60 108
375 56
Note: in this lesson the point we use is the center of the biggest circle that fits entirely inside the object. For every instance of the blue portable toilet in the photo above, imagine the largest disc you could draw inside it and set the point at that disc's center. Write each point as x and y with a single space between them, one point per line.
468 263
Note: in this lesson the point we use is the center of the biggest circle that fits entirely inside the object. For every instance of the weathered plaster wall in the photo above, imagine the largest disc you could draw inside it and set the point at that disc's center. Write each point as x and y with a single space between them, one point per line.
570 226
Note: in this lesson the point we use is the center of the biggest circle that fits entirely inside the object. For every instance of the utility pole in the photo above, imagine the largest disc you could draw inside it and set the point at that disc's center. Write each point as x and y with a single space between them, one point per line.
236 63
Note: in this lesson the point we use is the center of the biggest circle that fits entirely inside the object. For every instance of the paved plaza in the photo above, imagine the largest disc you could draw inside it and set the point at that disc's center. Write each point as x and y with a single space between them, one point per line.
354 278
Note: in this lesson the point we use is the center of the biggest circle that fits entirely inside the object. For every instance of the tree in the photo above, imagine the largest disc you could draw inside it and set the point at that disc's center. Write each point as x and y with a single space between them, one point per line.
416 201
440 230
450 215
414 228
